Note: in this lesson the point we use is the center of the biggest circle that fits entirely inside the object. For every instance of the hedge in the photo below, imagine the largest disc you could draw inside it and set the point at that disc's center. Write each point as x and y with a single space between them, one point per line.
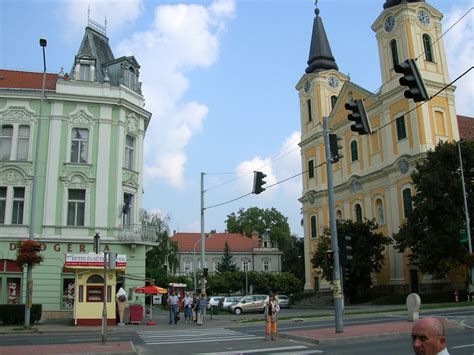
15 313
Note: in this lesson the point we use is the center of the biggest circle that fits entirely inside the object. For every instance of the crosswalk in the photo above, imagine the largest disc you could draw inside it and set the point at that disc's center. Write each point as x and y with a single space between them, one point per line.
167 337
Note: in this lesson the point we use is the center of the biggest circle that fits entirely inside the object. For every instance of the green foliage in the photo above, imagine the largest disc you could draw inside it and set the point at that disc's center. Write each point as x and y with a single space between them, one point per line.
262 282
432 231
263 221
15 313
293 257
162 259
226 263
367 252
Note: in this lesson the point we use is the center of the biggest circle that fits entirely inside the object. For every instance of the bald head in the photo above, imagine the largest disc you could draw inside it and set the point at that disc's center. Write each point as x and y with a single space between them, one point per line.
428 336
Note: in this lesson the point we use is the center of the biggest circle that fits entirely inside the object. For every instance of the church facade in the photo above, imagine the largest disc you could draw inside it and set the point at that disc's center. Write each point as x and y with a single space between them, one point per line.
372 180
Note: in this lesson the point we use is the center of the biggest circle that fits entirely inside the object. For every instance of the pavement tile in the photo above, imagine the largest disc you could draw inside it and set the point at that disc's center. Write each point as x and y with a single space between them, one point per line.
91 348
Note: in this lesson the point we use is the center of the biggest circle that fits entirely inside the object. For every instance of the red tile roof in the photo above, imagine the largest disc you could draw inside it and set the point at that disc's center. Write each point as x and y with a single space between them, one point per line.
26 80
215 242
466 127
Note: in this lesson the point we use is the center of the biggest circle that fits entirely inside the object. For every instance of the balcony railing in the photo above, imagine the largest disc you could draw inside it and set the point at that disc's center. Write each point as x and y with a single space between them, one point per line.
138 233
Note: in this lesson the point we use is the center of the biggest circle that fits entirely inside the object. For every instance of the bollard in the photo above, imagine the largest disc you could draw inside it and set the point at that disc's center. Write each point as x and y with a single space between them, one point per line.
456 296
413 304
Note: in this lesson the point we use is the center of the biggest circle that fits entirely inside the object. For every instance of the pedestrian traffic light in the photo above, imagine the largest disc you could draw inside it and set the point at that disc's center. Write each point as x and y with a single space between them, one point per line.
258 182
334 147
359 116
330 257
412 78
345 249
205 271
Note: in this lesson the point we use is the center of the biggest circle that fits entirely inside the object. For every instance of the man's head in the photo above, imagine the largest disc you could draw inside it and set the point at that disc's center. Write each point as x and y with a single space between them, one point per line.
428 336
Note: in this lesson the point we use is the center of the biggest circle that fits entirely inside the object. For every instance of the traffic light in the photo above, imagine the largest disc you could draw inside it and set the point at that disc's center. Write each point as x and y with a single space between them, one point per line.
110 260
258 182
330 257
205 271
334 147
345 249
359 116
412 79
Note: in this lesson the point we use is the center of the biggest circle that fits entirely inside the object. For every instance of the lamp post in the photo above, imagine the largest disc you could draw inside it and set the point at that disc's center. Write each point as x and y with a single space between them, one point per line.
194 264
29 270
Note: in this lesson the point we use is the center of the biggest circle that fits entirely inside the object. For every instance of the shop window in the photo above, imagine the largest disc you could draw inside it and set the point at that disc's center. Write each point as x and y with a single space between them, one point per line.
14 290
95 279
95 294
68 293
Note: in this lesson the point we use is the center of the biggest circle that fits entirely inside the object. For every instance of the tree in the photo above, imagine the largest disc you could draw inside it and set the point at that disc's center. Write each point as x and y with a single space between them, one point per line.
367 252
263 221
226 263
161 260
432 230
293 257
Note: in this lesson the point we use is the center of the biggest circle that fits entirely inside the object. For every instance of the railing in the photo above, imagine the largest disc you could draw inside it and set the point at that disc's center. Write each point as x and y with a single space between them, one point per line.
138 232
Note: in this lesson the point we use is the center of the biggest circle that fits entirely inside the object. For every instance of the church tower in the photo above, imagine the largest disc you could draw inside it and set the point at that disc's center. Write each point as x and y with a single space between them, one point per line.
373 179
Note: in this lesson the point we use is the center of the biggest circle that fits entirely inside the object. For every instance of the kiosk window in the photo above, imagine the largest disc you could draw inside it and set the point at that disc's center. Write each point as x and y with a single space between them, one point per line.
81 293
95 293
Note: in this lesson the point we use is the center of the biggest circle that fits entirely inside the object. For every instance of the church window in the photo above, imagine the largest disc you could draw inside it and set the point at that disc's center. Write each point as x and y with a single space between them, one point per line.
407 202
333 101
310 117
358 213
428 48
354 151
440 126
311 169
313 227
76 207
79 145
394 49
401 129
380 218
339 214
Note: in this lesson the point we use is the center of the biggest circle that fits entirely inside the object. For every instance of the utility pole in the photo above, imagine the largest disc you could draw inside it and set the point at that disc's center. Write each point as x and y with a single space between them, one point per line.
104 305
337 289
466 213
34 192
203 239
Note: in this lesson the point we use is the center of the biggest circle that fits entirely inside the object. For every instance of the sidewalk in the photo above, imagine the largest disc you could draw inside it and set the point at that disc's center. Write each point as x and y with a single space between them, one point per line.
317 335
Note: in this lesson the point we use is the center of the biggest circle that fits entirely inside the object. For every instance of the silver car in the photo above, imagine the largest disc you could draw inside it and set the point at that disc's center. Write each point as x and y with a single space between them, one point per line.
214 301
229 301
283 301
250 303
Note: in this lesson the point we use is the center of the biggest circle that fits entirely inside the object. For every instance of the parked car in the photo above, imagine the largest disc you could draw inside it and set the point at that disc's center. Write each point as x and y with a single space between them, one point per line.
229 301
214 301
283 301
251 303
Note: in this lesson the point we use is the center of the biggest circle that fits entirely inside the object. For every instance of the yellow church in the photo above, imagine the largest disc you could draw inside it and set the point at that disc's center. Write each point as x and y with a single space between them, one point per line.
372 180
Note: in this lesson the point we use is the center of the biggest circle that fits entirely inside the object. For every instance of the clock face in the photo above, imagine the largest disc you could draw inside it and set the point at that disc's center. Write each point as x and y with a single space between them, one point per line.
389 23
333 82
307 86
423 17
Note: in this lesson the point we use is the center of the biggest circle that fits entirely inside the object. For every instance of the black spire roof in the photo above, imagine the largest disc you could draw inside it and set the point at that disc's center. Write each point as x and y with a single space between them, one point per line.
320 55
392 3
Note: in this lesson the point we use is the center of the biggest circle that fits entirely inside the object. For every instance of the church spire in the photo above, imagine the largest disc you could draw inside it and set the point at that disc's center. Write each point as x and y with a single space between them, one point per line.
320 55
392 3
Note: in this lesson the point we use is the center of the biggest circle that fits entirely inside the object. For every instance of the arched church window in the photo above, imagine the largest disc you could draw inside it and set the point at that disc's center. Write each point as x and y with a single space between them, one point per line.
428 48
308 103
394 50
354 151
333 101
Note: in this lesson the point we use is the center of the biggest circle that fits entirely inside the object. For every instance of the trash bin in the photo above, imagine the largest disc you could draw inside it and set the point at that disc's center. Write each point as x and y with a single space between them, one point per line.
136 313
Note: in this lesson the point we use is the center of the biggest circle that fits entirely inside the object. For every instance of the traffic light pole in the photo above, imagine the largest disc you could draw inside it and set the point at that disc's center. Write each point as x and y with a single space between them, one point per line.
203 239
337 289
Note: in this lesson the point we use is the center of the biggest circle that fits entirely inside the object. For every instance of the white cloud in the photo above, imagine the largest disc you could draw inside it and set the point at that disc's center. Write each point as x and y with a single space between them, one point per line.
459 43
181 38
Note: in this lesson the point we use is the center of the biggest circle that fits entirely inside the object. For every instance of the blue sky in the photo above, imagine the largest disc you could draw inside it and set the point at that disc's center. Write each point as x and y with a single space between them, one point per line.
219 78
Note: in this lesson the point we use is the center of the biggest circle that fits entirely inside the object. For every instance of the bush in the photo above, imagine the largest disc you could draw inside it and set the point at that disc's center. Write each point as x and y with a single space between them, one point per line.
15 313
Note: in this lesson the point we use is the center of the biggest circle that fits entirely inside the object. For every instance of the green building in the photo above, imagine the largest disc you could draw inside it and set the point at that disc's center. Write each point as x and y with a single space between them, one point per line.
90 171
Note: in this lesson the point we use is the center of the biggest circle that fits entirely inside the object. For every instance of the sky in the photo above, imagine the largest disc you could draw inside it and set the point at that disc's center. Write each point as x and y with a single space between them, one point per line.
219 77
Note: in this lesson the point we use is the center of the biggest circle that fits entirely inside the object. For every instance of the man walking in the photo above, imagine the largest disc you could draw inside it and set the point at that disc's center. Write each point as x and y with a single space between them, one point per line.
173 304
201 308
428 337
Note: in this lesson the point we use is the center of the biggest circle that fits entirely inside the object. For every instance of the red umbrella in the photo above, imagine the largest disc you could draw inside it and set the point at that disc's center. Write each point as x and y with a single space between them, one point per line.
151 290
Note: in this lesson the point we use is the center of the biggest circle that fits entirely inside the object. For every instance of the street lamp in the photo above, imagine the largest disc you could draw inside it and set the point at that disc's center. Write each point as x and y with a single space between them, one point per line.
194 264
29 270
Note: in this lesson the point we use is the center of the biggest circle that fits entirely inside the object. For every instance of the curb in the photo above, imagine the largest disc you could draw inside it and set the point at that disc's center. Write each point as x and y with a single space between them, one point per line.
346 340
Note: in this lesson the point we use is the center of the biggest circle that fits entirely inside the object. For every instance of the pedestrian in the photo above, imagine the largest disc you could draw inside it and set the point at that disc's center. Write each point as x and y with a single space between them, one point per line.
201 308
173 304
470 292
272 308
428 337
188 307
